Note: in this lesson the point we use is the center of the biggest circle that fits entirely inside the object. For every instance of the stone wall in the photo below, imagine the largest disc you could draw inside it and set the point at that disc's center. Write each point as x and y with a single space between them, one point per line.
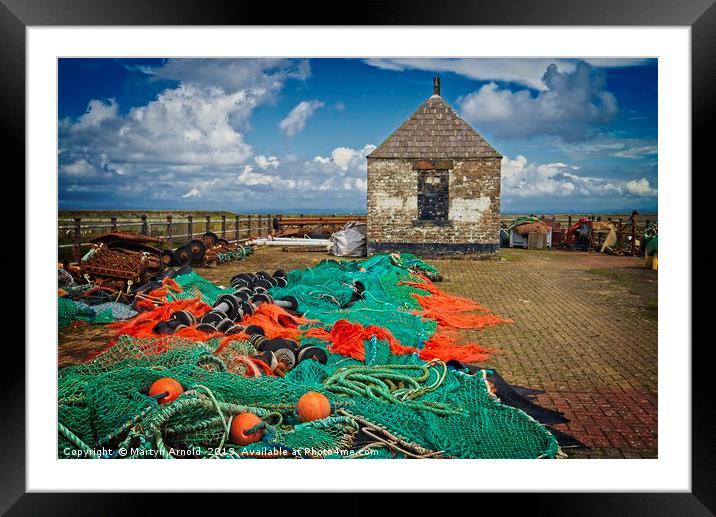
473 224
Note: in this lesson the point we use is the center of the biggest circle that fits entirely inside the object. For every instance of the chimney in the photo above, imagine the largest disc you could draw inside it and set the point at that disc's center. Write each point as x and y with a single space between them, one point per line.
436 85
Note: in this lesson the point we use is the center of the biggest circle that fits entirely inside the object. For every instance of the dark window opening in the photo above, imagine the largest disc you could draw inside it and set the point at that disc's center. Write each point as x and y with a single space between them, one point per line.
433 196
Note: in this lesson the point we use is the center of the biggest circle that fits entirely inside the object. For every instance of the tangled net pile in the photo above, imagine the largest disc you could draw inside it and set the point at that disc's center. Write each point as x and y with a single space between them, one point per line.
394 392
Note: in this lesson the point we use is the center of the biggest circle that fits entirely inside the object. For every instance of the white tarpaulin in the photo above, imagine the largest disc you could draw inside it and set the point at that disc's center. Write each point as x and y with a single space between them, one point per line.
350 241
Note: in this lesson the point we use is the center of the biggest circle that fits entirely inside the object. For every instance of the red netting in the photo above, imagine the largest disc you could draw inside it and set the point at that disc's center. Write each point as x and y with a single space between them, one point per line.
449 310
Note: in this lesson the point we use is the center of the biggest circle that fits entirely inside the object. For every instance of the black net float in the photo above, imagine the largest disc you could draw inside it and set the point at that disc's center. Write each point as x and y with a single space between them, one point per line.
312 352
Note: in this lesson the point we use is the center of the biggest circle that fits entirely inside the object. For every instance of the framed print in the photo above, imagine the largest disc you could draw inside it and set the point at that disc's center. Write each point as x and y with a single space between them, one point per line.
431 236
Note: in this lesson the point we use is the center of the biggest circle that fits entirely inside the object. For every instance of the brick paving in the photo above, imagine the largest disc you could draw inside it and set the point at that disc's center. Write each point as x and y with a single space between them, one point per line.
583 338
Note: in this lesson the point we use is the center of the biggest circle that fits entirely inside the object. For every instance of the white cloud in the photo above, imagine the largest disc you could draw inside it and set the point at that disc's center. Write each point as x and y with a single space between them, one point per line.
185 143
231 75
296 119
342 156
523 179
78 188
527 72
266 163
192 193
346 159
97 112
339 177
250 178
640 188
183 128
607 145
196 128
636 152
570 104
78 169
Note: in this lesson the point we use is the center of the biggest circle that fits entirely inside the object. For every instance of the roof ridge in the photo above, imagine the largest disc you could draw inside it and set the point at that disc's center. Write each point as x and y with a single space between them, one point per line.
427 134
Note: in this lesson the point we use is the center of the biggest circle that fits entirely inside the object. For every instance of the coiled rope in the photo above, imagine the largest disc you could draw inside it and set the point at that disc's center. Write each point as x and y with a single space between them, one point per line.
394 384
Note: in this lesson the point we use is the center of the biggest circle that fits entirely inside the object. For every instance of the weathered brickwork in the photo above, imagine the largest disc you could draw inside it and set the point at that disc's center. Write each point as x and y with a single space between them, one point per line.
473 197
409 208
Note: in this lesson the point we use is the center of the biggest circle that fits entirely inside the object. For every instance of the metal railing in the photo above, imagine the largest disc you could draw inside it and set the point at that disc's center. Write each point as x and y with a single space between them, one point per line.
75 233
234 228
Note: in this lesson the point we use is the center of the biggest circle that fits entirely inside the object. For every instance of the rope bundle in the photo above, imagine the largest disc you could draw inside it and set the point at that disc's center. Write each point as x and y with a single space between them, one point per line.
394 384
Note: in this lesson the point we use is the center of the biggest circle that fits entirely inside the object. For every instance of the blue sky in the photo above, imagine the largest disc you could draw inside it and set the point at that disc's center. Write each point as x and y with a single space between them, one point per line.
285 135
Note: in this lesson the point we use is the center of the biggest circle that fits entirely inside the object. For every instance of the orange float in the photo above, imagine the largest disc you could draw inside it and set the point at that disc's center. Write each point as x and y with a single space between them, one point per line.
167 386
313 406
241 424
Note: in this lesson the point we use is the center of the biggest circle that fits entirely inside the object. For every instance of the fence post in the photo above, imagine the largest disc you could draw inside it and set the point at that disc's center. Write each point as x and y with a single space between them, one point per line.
113 222
208 223
259 224
248 228
223 226
569 221
269 225
170 239
633 237
190 227
145 225
236 226
76 238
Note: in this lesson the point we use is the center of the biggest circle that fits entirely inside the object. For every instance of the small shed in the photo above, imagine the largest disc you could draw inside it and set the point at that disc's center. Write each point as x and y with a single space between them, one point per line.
434 186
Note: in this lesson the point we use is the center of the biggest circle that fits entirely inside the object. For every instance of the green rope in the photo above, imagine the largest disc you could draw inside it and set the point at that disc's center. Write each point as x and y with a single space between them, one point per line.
389 383
74 439
425 405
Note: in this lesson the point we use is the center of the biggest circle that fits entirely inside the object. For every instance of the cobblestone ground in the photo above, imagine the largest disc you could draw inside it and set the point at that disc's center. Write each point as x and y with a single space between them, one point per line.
585 339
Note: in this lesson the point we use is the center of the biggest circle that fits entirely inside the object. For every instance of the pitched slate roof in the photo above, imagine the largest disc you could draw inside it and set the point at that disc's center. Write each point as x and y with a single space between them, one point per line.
435 131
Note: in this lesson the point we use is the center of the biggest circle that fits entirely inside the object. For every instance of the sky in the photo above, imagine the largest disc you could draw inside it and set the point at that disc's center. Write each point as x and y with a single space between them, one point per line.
291 135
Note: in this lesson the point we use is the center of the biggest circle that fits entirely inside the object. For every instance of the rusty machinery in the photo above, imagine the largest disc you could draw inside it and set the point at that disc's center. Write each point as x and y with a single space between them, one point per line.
192 252
120 260
579 236
202 251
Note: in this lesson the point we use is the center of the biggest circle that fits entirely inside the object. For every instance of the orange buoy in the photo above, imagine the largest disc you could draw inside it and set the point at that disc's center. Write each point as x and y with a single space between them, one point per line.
241 424
313 406
167 386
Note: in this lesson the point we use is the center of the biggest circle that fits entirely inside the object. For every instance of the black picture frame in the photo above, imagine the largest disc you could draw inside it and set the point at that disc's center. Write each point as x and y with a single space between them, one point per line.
700 15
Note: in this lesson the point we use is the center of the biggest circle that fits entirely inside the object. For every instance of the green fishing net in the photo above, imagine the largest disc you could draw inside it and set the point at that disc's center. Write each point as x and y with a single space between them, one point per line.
387 406
193 285
69 311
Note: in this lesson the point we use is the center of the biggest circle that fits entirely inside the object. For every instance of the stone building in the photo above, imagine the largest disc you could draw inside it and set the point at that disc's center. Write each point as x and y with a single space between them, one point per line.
434 187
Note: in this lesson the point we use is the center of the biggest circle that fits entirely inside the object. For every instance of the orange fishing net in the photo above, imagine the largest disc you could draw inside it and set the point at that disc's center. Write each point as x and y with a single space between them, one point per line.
449 310
348 339
143 323
345 338
445 347
274 320
277 322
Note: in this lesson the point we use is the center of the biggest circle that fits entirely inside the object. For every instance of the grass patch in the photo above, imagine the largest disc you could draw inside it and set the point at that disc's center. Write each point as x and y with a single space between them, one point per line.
510 254
639 281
